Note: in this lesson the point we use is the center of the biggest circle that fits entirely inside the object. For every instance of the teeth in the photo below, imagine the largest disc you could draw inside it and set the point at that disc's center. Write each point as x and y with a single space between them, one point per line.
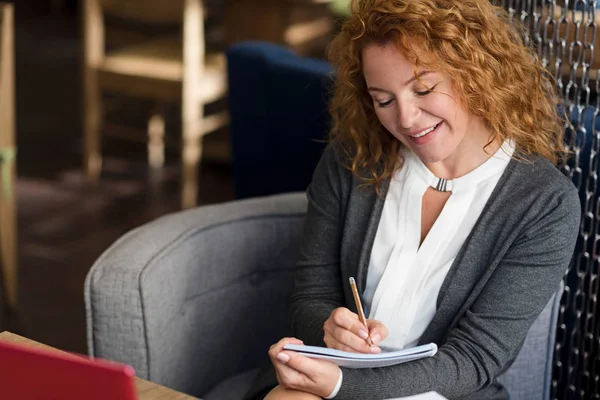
425 132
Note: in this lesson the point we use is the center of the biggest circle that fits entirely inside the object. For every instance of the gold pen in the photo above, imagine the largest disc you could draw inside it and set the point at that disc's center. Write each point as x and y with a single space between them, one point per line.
361 313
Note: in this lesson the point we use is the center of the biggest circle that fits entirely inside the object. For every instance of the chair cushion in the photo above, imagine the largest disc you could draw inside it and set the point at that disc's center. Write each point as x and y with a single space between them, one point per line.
234 387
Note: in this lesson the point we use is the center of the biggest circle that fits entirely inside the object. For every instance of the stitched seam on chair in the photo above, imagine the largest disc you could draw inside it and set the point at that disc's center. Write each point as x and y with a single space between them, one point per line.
196 297
238 279
87 293
550 344
178 239
88 289
549 356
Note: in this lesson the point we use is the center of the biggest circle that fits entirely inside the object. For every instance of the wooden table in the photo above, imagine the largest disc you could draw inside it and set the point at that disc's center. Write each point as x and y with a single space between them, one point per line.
146 390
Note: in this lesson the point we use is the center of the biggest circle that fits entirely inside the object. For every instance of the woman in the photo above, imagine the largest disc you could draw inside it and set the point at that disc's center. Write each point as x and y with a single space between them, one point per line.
439 194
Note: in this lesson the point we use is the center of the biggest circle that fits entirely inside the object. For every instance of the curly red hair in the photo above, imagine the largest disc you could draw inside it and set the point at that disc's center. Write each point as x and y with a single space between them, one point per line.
494 74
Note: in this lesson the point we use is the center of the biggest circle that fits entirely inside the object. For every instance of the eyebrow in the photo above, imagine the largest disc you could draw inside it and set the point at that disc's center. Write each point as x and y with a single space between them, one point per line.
414 78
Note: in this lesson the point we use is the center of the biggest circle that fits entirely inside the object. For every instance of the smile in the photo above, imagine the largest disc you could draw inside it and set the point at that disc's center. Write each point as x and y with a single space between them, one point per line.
425 132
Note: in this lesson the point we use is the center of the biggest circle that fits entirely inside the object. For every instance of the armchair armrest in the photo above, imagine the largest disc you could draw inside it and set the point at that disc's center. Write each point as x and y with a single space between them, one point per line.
198 295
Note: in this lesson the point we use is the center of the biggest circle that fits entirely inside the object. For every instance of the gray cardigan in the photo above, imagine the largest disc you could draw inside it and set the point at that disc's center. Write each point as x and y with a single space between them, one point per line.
505 273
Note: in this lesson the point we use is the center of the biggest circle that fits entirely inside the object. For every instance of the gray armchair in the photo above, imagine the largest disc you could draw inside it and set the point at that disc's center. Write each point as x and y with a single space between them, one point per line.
194 299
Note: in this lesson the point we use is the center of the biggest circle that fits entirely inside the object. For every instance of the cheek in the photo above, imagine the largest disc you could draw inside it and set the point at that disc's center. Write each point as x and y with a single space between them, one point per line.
459 121
447 108
386 118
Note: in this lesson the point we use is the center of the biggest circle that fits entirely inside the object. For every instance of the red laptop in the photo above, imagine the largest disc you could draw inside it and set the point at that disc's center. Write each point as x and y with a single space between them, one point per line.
28 373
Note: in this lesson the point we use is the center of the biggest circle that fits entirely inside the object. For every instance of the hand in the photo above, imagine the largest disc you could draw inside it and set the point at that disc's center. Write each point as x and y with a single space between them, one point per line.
344 331
297 372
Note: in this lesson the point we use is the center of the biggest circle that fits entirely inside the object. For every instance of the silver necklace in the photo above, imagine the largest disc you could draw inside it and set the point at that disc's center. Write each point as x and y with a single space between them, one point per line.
443 185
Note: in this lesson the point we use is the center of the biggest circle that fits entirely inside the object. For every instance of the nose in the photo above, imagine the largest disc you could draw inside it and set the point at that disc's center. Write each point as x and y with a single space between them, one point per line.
408 114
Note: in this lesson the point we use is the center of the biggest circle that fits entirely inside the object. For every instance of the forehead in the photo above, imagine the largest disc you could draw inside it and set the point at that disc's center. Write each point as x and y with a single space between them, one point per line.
385 63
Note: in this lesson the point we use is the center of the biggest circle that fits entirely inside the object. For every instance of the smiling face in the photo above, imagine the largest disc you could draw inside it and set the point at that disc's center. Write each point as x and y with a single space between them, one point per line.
432 123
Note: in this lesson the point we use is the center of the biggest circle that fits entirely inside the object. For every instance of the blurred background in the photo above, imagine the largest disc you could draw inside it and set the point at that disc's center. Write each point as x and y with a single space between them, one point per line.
65 219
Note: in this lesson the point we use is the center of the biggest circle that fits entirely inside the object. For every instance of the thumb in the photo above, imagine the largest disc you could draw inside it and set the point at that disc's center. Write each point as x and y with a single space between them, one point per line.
377 330
296 361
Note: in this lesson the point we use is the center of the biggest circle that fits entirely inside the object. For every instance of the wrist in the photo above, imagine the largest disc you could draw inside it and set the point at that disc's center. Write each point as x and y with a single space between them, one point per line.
338 385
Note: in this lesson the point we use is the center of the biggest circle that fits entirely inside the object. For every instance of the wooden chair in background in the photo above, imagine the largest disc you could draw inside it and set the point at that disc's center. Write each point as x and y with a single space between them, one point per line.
8 209
165 69
304 26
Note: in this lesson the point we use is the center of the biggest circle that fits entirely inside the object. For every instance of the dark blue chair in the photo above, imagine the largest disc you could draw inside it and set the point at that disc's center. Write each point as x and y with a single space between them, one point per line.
279 117
581 164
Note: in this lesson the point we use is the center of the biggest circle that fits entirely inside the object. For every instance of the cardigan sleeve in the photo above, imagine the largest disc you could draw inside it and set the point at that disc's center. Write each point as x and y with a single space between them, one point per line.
317 289
490 333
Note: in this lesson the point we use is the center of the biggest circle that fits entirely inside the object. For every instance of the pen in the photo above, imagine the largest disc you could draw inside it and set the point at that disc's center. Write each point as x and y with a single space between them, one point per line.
361 314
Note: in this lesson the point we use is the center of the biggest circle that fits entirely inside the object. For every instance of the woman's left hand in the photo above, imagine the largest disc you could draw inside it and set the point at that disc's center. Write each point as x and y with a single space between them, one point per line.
297 372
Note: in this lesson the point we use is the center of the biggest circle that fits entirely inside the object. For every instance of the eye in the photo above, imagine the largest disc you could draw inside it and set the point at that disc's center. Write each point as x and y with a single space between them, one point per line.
384 103
425 92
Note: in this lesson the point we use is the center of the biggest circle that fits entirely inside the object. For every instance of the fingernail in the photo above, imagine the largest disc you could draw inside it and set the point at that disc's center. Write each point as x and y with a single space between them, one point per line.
376 338
283 357
375 349
363 334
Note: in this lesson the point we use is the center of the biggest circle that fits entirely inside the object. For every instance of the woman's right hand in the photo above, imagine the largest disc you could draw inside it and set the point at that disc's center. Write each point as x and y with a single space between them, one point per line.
344 331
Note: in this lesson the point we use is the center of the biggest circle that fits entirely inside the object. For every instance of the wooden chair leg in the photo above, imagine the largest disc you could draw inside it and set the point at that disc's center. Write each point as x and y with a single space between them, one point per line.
156 139
8 211
190 161
8 244
92 116
191 106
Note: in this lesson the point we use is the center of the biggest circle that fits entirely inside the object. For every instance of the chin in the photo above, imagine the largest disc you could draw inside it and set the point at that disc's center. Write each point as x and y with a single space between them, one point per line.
428 158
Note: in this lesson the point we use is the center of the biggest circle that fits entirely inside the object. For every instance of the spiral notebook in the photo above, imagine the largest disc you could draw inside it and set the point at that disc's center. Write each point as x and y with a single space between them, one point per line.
422 396
362 360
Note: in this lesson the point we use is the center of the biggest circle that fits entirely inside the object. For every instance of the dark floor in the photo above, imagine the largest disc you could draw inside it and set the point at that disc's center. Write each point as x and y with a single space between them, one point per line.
64 224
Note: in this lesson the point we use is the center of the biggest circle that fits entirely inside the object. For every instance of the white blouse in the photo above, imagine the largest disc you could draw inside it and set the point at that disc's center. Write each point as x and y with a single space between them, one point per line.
404 279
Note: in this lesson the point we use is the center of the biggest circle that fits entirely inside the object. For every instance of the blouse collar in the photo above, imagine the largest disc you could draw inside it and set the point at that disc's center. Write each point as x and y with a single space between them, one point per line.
493 165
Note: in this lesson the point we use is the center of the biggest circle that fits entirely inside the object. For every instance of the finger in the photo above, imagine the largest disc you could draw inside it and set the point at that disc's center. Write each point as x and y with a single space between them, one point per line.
346 340
317 374
346 318
286 340
287 376
377 330
343 317
309 375
351 322
344 331
275 349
